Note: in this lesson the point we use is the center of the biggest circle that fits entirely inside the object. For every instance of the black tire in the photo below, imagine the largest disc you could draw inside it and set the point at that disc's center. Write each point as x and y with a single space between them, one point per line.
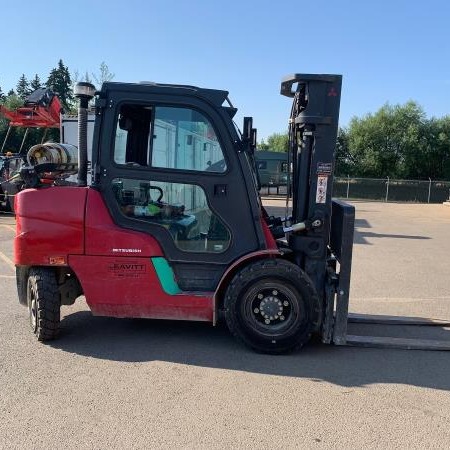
21 283
44 303
272 306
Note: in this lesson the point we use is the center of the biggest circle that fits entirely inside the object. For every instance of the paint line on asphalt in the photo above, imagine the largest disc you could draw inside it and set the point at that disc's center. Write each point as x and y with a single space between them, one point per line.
7 260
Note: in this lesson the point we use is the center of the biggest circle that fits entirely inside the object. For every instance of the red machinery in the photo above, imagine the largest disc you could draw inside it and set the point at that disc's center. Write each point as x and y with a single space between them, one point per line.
42 109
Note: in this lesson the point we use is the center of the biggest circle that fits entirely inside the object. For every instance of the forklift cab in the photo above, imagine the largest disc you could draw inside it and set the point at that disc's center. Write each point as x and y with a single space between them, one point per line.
169 162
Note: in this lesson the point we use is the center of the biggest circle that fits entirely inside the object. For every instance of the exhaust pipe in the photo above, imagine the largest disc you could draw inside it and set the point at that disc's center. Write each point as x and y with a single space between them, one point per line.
84 92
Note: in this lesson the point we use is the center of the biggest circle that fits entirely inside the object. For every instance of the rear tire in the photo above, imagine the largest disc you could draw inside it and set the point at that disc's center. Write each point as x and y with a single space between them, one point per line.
272 306
21 283
44 303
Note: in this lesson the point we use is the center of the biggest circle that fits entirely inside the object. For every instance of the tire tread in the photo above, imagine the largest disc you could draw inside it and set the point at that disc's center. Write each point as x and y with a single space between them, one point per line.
48 303
277 268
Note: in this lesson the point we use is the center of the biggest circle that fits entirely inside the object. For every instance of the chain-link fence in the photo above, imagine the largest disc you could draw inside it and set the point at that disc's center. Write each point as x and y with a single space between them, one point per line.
386 190
420 191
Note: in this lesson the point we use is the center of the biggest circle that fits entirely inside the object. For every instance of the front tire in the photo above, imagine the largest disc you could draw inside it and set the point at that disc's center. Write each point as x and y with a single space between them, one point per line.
272 306
44 303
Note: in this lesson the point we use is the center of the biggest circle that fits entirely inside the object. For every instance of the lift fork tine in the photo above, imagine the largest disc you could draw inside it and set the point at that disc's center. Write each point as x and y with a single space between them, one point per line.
341 242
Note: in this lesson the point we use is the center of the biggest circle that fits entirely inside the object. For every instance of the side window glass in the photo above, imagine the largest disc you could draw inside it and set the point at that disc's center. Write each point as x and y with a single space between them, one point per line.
132 139
166 137
180 208
185 139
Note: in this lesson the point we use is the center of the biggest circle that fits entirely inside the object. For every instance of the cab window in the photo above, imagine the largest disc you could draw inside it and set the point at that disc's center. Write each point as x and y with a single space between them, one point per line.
167 137
180 208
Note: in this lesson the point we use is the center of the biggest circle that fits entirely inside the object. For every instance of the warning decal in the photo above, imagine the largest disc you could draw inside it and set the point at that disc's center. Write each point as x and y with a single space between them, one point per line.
324 168
321 193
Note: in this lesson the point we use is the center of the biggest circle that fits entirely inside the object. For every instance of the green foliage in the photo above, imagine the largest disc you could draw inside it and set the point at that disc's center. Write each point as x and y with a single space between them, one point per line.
277 142
23 87
398 142
432 159
344 160
59 81
35 83
13 101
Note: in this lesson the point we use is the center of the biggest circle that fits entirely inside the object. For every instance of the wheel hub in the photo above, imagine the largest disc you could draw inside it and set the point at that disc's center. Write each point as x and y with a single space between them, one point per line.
271 307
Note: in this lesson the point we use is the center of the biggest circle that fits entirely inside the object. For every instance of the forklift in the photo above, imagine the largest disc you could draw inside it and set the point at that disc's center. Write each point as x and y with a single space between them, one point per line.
171 225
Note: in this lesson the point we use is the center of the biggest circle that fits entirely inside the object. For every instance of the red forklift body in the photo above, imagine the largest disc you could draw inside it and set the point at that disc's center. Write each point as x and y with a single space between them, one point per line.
48 230
115 266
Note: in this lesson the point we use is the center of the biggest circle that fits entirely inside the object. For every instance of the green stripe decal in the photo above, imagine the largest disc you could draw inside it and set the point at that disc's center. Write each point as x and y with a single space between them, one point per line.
165 275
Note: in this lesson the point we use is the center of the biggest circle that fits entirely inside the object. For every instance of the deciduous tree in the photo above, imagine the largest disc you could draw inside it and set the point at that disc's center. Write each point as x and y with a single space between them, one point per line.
277 142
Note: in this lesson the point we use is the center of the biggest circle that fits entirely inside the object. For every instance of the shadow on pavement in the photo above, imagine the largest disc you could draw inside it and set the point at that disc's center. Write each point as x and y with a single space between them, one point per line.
200 344
361 235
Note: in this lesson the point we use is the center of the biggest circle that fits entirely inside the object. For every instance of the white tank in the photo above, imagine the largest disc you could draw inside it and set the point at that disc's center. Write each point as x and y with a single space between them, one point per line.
64 155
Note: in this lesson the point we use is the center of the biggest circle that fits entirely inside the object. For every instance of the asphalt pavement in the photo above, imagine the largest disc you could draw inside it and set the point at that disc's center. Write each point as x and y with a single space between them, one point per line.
123 383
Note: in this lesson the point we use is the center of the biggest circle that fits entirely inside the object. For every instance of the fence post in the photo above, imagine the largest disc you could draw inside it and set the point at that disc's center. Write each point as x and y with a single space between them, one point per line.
429 190
387 189
348 184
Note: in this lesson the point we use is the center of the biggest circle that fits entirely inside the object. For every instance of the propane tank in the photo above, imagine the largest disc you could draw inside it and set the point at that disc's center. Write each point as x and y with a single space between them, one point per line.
63 156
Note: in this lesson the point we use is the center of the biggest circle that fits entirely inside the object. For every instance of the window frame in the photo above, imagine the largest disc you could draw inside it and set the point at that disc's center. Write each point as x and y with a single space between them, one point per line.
149 166
161 225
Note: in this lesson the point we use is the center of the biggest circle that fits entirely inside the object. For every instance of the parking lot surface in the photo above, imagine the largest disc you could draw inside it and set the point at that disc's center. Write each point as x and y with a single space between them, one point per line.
122 383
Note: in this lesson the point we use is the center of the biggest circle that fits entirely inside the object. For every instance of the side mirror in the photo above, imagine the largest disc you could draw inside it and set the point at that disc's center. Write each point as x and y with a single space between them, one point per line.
249 135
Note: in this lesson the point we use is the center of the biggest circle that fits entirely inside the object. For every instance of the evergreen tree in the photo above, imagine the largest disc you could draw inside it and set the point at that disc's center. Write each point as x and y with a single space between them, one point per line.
23 87
2 95
59 82
11 92
35 83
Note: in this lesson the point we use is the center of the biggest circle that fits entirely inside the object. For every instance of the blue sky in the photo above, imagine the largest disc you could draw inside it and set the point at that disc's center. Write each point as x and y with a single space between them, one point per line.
387 51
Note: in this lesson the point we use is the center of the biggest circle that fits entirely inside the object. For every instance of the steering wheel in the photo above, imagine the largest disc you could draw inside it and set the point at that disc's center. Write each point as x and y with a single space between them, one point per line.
157 188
